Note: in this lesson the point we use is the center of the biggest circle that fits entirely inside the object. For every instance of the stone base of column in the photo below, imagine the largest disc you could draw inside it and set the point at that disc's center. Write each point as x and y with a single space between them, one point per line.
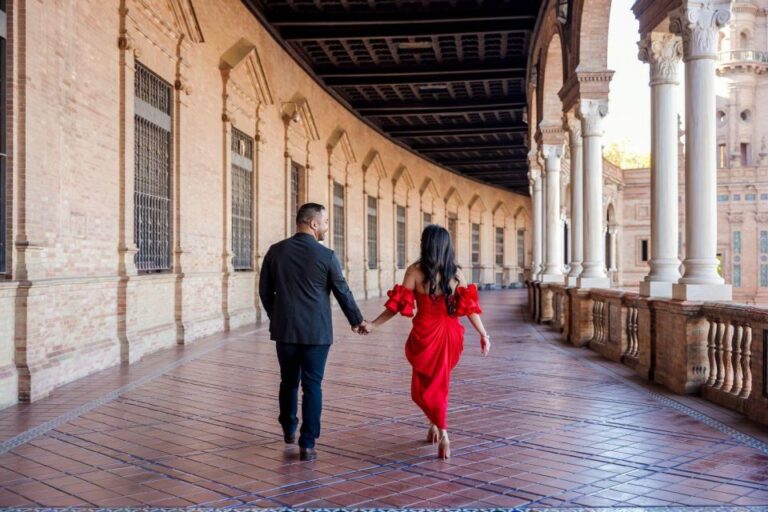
656 289
571 281
593 282
703 292
552 278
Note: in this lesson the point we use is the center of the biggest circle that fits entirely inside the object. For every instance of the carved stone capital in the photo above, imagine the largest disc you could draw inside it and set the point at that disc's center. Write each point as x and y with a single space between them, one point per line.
572 125
550 152
698 22
591 114
663 52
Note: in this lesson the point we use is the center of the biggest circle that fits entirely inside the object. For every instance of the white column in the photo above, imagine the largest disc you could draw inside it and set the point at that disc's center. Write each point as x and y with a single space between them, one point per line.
538 221
612 248
576 228
698 23
663 53
553 267
591 113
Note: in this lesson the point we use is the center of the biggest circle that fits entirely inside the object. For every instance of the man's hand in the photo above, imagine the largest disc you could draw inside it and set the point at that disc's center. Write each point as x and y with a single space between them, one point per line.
363 328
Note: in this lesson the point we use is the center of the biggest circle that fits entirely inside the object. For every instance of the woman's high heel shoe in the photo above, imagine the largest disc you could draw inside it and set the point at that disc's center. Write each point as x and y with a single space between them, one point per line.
433 434
444 447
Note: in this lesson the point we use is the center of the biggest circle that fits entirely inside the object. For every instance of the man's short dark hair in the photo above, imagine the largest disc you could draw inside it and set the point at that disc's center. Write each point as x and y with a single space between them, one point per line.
308 212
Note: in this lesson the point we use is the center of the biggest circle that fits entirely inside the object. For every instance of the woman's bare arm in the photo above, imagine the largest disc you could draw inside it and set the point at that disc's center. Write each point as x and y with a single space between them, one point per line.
409 281
477 322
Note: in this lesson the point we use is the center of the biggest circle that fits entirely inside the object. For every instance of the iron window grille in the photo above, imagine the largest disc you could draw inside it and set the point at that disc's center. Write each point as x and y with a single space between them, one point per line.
475 253
295 188
152 191
521 248
339 236
427 220
400 236
242 201
373 235
453 228
499 247
3 178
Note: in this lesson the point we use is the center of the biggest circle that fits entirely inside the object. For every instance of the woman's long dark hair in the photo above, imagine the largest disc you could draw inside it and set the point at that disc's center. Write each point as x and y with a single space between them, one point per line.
438 262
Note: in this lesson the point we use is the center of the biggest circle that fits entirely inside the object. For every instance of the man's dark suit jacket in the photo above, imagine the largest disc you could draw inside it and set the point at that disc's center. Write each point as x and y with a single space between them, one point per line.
297 277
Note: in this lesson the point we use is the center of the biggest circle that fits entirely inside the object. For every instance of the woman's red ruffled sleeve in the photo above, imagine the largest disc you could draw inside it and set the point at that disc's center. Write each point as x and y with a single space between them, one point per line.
468 301
401 300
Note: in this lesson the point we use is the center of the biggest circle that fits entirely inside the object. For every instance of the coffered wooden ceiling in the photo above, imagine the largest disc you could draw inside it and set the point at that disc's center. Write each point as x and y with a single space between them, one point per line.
442 77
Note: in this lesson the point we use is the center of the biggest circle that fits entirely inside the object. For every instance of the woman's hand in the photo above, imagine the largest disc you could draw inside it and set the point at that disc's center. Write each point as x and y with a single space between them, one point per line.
485 344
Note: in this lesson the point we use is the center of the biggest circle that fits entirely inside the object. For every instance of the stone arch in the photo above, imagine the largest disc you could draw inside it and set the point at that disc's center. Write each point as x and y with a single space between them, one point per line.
551 82
590 37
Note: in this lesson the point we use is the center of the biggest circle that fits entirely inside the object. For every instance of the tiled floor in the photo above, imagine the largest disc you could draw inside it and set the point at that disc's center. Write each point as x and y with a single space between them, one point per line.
536 423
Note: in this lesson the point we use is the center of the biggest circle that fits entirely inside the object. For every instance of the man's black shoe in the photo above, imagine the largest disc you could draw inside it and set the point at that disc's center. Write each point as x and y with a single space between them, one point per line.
307 454
289 438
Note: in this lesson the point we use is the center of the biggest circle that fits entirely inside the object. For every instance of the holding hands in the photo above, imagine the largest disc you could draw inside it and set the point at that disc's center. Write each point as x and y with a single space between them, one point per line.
362 328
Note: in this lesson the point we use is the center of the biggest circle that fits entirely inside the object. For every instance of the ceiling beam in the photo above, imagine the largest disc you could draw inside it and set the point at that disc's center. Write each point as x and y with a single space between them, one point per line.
426 106
432 130
330 30
500 146
416 77
285 17
483 162
469 68
498 107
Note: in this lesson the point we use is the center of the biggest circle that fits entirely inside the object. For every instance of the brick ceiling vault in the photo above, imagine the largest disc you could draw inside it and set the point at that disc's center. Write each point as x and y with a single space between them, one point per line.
445 78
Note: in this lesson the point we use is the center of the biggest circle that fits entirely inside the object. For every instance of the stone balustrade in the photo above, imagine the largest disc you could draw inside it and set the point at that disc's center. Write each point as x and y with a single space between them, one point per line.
717 350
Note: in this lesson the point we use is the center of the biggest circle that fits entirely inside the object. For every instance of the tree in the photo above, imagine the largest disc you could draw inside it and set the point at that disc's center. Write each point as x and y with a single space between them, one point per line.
618 154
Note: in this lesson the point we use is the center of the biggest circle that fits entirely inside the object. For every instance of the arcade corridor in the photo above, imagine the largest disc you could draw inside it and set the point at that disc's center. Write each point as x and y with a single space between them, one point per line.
537 423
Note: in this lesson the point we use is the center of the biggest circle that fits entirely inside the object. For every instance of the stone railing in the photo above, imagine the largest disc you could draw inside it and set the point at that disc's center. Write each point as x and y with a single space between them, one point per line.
744 56
717 350
736 341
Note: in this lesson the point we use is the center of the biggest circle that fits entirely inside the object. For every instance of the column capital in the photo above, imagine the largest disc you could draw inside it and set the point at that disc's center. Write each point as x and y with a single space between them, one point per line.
572 125
663 52
591 113
698 22
552 151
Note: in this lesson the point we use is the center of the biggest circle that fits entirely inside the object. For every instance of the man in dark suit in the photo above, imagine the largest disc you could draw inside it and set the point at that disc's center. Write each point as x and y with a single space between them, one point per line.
297 277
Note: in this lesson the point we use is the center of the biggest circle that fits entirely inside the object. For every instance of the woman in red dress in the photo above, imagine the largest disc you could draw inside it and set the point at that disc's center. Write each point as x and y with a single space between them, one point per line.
441 296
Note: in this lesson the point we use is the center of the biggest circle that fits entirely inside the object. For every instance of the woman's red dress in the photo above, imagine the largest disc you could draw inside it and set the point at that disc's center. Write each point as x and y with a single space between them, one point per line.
434 345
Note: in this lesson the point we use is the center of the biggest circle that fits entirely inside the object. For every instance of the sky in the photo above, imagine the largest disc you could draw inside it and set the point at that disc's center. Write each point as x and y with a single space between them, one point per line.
629 118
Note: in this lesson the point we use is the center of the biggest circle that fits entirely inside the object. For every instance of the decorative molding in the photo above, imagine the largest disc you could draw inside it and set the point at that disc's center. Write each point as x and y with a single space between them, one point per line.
476 201
585 85
429 186
591 113
551 133
241 66
373 159
663 52
297 110
698 22
402 176
501 206
453 192
340 139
